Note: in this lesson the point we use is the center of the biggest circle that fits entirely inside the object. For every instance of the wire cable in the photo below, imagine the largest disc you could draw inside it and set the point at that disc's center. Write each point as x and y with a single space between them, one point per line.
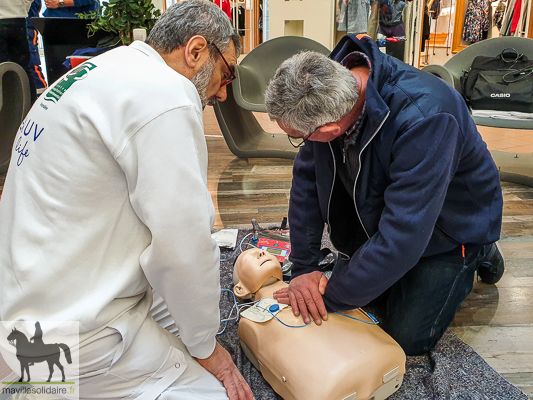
373 322
236 307
229 317
290 326
239 247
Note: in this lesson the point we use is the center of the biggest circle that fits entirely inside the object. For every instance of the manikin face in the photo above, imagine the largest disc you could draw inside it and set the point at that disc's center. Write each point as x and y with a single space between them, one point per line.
252 269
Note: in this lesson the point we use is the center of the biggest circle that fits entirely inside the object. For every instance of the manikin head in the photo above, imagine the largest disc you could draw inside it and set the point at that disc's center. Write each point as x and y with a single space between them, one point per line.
254 269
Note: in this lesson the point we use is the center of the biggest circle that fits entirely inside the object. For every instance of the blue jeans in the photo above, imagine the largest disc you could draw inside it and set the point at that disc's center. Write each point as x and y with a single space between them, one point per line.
417 310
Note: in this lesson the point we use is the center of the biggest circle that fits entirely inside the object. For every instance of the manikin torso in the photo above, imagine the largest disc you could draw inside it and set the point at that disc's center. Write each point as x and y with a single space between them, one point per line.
341 359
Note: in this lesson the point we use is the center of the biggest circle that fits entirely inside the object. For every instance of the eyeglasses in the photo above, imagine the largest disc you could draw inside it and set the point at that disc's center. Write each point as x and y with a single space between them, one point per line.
299 142
231 71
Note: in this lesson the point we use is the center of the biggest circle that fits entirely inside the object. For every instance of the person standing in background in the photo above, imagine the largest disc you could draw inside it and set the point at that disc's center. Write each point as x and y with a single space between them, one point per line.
13 43
33 43
391 18
69 8
353 15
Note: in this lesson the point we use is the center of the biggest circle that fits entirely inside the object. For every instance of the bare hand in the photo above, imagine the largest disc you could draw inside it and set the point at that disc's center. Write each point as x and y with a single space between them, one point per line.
222 367
304 295
51 3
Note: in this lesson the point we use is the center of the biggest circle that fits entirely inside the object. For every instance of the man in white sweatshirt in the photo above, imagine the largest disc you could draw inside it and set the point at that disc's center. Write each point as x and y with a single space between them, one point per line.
106 198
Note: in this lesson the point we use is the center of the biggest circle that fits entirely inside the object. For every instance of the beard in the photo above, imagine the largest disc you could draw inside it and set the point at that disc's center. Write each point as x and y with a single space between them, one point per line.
201 80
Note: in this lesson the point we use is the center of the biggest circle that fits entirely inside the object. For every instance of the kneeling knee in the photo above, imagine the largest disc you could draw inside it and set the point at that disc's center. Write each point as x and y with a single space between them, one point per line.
412 341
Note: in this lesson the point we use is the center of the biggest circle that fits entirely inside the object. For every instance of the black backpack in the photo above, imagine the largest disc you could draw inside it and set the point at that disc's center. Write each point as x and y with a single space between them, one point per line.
503 83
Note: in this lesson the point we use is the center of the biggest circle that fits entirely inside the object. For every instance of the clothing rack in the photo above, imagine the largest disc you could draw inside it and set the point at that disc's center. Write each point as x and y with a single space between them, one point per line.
238 20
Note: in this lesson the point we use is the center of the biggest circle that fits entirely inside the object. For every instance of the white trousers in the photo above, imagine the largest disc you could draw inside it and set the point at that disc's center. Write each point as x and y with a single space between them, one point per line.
196 382
155 365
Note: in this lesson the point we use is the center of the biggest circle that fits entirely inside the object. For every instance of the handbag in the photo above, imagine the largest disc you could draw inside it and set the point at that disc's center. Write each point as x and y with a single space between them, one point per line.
503 83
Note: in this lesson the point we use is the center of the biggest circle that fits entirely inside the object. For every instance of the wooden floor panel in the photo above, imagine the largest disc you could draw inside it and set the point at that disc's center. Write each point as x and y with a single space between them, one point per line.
497 320
501 347
243 189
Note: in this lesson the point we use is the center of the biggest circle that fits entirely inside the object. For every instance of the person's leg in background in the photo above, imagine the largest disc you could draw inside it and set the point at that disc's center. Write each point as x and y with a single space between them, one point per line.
14 47
422 304
35 59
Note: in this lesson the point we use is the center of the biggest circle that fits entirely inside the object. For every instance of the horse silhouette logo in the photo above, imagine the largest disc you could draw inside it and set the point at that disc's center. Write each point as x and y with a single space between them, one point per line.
33 351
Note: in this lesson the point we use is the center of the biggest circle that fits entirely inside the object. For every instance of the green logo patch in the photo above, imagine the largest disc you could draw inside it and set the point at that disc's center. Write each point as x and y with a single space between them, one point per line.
64 84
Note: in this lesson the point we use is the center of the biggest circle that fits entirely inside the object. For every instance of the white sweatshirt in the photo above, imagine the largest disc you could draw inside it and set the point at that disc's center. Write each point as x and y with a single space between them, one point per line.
106 195
14 8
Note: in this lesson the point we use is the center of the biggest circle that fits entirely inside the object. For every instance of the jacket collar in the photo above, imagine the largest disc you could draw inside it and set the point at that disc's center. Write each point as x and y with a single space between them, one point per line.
381 68
376 109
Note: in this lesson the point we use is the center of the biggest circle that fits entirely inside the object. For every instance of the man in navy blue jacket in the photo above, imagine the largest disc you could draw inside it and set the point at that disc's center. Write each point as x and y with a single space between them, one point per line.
394 165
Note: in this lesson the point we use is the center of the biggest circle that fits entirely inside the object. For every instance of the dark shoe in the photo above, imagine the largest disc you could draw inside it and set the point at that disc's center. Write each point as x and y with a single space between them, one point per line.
491 269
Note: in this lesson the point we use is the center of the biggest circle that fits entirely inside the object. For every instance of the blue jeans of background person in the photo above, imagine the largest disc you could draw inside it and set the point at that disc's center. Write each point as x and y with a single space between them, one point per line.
417 310
392 31
35 59
14 47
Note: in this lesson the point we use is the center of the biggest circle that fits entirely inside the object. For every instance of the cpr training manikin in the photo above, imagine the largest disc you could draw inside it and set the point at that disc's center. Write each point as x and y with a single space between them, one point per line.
342 359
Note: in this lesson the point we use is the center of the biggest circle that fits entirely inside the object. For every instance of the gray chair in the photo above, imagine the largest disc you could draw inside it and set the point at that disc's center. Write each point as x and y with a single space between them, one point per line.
451 71
243 133
514 168
14 105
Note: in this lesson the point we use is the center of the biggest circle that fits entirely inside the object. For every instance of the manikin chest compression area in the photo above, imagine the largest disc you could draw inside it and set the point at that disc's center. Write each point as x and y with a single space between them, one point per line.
347 357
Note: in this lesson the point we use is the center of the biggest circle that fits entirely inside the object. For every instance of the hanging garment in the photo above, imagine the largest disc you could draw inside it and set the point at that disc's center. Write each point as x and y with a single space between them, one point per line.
426 29
506 24
238 14
435 9
341 15
407 18
499 13
521 25
353 16
518 23
225 7
373 21
516 15
477 20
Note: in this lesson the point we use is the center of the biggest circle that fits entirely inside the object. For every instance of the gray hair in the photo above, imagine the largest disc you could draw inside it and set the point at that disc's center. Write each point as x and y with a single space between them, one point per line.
310 90
186 19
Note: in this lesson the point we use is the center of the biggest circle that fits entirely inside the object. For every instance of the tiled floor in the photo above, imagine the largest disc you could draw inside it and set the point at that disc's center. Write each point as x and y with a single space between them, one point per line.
511 140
